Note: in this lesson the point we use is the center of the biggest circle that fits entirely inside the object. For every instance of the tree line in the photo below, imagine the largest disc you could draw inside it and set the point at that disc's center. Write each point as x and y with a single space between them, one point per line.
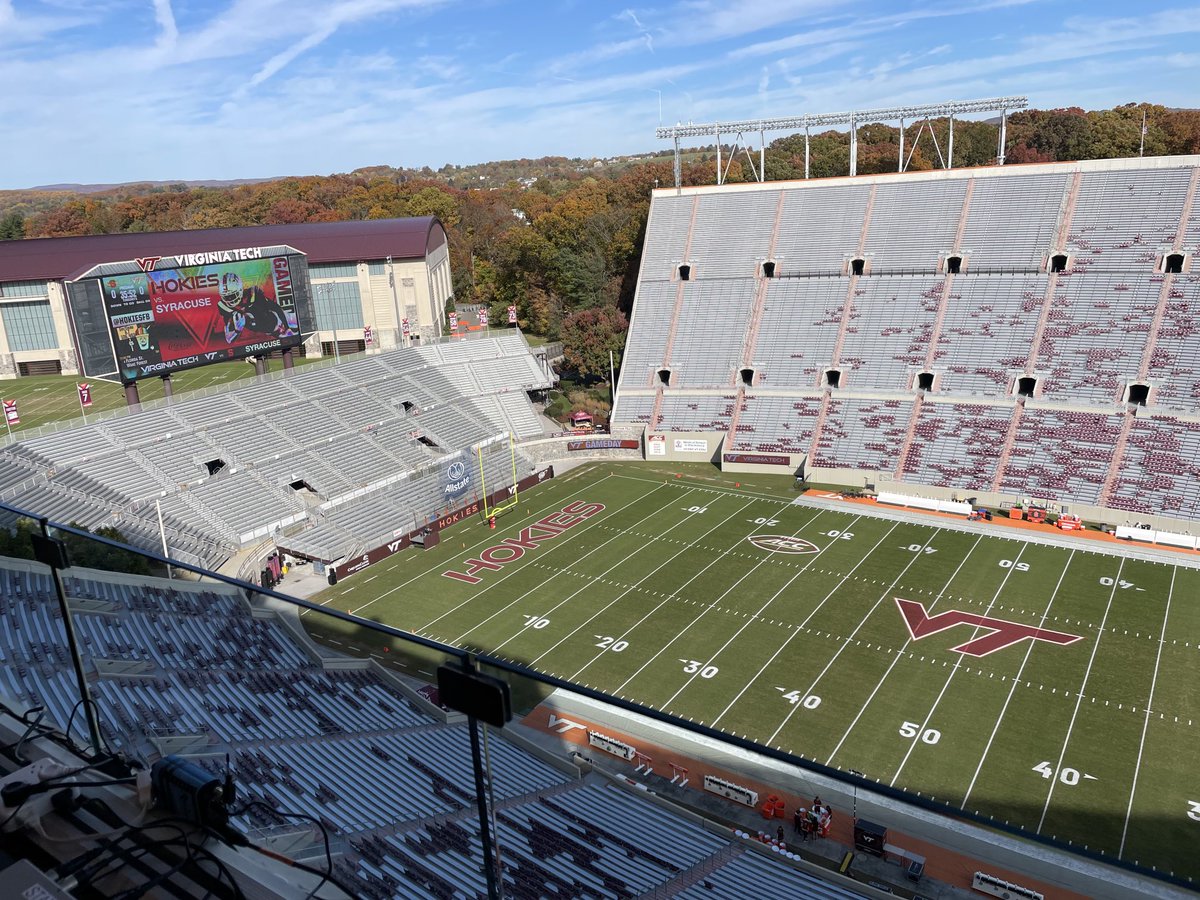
561 239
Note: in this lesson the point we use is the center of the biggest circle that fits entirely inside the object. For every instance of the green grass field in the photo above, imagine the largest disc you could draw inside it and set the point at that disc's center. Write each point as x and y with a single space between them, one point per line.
661 598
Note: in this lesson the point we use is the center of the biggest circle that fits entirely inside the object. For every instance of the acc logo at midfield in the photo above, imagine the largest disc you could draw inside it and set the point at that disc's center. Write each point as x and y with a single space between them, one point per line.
782 543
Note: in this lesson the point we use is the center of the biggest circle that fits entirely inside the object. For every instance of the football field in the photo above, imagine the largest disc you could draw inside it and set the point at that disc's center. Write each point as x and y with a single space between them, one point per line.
1053 688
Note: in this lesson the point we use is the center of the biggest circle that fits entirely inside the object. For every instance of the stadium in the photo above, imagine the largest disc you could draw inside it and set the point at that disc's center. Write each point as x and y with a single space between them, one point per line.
896 509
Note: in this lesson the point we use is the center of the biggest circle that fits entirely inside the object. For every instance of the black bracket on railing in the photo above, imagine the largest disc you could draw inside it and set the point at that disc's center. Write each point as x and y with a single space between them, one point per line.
52 552
482 698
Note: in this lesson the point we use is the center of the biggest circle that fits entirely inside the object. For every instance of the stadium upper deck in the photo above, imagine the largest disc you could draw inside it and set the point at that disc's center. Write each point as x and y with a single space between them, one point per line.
1015 332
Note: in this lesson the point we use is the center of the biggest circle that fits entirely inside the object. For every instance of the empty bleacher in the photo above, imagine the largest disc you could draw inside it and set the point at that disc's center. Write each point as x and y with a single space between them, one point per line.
1056 312
393 786
220 465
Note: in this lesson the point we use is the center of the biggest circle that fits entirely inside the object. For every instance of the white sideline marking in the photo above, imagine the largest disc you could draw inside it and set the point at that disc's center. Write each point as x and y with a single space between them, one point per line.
434 566
1146 724
1016 680
896 657
575 533
1087 674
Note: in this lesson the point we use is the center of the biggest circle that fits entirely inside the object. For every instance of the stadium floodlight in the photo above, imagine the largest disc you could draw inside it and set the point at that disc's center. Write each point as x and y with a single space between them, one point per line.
948 108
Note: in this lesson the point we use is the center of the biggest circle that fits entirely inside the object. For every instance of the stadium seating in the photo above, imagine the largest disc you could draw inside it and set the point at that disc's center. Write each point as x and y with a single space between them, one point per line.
394 786
220 466
1006 369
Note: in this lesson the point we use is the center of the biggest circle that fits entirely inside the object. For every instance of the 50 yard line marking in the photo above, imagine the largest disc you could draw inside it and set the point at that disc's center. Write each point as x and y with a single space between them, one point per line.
1137 767
896 657
1079 698
1015 681
957 665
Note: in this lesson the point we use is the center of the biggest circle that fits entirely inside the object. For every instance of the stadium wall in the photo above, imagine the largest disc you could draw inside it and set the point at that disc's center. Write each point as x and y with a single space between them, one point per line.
683 446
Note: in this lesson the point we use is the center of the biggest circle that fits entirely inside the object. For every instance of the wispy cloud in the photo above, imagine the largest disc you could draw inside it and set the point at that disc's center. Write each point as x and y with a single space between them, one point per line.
168 31
327 85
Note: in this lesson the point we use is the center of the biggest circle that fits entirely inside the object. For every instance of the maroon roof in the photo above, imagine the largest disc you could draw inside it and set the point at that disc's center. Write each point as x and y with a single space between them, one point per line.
49 259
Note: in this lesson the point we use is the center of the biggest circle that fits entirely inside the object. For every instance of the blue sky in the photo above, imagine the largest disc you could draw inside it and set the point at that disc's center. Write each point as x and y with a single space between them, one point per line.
102 91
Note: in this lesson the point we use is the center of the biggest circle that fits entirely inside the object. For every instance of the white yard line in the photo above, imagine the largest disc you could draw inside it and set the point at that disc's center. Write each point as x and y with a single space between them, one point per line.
796 629
487 539
954 669
1016 680
896 657
686 628
1162 639
521 569
753 617
846 643
1079 699
633 587
675 594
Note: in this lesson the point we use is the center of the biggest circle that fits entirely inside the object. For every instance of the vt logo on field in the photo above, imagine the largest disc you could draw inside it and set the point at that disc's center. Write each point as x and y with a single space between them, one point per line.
782 543
1001 632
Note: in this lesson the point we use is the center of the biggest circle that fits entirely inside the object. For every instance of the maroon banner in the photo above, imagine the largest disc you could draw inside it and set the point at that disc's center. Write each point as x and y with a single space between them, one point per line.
367 336
604 444
512 315
10 412
382 552
85 394
758 459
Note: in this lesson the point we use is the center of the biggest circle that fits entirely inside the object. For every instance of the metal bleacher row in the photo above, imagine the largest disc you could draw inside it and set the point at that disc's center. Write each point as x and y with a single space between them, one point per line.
1009 370
190 662
227 468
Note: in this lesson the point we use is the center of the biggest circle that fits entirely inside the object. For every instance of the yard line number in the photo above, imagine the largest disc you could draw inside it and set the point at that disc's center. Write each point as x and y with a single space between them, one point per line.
1015 566
695 667
536 622
912 730
808 701
1066 775
610 643
844 535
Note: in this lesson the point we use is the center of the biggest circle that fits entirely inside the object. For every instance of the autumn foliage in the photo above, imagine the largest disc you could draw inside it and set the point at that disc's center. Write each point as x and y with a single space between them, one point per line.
561 239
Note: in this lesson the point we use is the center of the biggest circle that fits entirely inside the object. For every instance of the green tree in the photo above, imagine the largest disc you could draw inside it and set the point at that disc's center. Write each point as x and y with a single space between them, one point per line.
12 226
16 542
92 554
589 335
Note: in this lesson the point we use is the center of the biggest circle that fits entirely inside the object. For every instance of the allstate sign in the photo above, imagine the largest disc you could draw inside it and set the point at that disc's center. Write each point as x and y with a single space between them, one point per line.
458 479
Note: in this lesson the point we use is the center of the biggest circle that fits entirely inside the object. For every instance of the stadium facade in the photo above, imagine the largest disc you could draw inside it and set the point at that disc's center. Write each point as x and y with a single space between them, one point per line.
1008 335
388 277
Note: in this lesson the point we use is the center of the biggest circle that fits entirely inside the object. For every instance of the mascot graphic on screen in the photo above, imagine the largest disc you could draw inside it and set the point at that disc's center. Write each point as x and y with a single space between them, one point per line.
249 309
